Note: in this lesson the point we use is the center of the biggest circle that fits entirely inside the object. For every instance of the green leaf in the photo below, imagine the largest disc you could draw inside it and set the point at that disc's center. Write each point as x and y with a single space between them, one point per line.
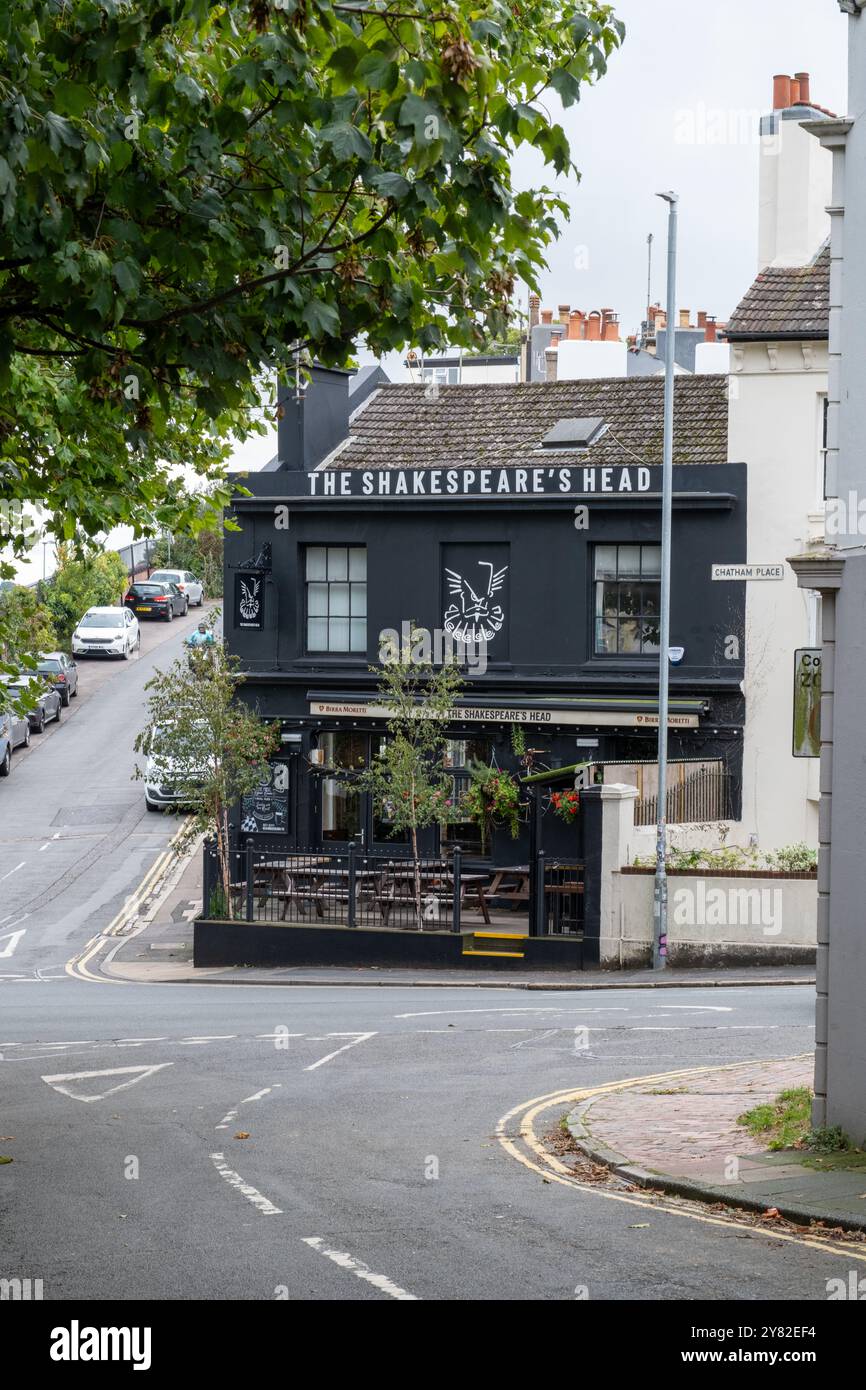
347 140
378 72
72 98
321 318
127 275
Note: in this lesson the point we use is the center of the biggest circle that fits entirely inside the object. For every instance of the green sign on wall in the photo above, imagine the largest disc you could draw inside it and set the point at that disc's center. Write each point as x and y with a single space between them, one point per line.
807 702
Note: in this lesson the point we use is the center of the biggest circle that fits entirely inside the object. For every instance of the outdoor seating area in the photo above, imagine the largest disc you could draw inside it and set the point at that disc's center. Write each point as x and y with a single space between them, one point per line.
356 889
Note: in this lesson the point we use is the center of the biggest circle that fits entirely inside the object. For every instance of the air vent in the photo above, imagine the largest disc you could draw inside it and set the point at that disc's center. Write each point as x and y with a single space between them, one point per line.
574 434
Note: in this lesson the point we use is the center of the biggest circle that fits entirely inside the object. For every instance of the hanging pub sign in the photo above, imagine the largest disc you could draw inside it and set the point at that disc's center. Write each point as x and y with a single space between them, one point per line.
807 703
266 810
249 599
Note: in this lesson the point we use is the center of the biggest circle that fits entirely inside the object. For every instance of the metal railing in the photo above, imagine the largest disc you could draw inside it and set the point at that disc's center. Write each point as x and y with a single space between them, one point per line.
558 897
351 888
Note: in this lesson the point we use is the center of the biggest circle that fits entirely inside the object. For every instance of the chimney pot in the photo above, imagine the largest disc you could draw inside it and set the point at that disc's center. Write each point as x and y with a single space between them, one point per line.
710 331
575 324
550 363
805 89
534 307
795 92
685 316
547 316
611 330
781 92
593 327
564 310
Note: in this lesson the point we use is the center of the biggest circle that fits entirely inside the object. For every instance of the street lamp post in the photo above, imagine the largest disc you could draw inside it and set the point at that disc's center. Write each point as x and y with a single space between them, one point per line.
660 889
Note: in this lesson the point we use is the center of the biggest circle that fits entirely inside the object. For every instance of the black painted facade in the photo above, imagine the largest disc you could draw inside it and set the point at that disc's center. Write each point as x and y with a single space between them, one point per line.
533 542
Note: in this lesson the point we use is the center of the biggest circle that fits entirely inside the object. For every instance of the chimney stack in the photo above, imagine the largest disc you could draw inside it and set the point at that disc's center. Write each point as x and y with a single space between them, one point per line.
534 307
709 330
550 362
781 92
702 318
685 318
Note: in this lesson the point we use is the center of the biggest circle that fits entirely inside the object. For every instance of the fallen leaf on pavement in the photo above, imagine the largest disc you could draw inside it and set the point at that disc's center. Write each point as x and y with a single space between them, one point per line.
771 1214
242 1134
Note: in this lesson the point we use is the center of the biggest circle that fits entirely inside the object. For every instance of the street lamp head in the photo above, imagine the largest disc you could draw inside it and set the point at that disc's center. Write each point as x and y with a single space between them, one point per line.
675 197
854 7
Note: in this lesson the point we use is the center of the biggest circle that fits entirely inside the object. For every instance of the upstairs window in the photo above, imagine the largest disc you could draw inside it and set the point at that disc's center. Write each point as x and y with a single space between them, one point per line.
336 579
627 600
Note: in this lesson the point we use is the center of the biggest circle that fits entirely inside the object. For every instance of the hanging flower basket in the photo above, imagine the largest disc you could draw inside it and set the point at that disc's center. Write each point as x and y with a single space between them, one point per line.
565 805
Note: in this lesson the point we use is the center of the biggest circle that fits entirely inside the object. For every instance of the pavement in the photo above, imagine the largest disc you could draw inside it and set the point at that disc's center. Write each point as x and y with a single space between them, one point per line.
680 1135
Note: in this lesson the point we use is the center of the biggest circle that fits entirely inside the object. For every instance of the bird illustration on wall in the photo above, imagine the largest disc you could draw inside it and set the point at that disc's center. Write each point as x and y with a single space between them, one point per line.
474 617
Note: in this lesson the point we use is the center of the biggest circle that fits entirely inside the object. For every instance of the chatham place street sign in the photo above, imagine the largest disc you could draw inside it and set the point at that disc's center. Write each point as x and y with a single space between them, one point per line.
747 572
510 714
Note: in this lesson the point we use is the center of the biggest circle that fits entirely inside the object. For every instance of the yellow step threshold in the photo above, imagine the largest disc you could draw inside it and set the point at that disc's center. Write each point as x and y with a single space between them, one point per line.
507 955
502 935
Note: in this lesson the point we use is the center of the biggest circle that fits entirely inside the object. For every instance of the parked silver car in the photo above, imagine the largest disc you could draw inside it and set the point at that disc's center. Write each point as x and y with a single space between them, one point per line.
14 733
48 702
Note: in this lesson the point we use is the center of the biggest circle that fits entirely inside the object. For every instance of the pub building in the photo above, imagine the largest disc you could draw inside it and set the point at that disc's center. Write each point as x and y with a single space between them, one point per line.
524 515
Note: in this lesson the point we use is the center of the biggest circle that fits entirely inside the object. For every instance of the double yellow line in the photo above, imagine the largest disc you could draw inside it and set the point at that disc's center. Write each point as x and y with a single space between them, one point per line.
77 966
530 1150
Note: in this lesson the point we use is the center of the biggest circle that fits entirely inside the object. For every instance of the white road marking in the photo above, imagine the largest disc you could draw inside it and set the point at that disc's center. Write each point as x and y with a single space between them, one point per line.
12 938
258 1095
45 846
260 1036
217 1037
227 1120
702 1008
252 1194
361 1037
548 1033
360 1270
13 871
503 1009
139 1074
141 1040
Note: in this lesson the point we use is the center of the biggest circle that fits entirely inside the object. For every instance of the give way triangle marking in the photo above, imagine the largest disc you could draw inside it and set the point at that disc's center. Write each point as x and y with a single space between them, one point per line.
132 1075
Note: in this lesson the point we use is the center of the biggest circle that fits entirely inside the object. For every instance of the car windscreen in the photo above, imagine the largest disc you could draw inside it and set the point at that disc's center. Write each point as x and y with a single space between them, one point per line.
162 578
49 666
148 590
109 620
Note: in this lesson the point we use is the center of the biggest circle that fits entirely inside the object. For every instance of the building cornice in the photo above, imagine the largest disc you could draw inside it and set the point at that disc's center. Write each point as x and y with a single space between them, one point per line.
820 569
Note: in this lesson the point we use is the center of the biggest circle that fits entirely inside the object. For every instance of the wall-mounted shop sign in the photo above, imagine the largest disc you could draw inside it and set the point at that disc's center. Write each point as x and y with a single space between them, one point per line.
807 703
509 714
249 599
739 573
569 481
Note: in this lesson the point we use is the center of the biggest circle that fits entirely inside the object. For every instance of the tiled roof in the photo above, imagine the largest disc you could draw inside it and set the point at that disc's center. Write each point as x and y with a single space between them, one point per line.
502 425
790 302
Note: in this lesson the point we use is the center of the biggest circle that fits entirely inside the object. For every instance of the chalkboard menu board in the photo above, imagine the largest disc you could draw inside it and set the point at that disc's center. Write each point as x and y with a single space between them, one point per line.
266 810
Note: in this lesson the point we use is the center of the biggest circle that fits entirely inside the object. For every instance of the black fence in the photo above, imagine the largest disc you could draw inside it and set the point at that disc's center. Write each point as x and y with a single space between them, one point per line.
362 888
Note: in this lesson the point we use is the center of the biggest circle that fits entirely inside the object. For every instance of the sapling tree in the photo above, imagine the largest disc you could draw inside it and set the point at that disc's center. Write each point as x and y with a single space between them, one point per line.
407 781
207 743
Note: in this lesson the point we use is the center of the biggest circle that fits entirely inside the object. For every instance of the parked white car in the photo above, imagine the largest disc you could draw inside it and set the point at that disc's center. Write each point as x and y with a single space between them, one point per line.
185 581
172 776
106 632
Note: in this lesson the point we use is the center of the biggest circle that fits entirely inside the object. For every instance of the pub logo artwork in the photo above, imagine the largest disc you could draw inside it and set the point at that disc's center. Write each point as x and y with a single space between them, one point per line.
249 600
474 617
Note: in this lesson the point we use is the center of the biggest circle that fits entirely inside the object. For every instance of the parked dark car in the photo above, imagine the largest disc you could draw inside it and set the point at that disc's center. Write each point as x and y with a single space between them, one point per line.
48 703
62 672
150 600
14 730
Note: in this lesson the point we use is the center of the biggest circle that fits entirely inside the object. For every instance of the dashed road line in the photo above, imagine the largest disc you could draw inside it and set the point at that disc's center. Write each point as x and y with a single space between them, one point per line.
362 1037
360 1270
252 1194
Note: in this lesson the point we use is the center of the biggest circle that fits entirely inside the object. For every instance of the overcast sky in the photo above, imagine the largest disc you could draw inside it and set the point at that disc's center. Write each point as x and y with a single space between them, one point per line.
685 66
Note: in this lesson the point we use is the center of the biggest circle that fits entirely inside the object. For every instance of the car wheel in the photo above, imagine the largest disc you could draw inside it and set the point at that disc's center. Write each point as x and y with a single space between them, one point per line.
66 697
73 693
150 806
170 618
59 708
6 764
185 609
27 735
40 725
201 599
126 651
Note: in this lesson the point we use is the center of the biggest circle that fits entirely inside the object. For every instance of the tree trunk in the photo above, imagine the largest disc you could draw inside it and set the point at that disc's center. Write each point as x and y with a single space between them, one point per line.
222 835
419 918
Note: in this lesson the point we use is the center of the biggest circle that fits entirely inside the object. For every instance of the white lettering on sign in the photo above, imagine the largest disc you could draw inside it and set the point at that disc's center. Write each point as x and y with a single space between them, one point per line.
480 482
747 572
